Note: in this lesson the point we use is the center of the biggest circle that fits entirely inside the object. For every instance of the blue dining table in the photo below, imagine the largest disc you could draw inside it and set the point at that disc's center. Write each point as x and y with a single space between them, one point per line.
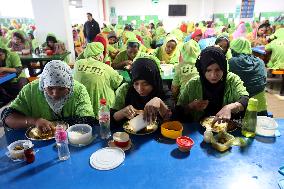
7 77
152 162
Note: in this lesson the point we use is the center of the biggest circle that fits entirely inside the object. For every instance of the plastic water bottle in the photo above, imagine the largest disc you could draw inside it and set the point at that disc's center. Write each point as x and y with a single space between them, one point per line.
250 119
208 134
104 120
62 143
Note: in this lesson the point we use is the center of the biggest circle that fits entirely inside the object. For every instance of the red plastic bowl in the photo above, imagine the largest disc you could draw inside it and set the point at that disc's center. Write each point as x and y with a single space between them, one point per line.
49 52
121 139
184 143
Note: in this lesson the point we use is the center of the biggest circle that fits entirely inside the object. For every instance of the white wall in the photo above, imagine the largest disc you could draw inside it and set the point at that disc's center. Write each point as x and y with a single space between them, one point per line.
16 8
57 22
196 10
269 6
229 6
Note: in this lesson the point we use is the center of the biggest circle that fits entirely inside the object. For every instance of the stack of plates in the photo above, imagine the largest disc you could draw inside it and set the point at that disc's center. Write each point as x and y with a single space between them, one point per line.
107 158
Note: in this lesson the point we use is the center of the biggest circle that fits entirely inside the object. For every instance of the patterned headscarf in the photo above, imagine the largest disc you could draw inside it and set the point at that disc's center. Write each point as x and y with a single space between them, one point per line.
56 73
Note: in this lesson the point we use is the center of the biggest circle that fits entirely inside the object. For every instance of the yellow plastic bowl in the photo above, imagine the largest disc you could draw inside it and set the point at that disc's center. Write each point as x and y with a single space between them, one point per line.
171 129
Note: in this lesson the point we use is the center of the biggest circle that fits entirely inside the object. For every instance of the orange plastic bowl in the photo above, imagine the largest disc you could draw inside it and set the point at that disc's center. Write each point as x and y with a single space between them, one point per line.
172 129
184 143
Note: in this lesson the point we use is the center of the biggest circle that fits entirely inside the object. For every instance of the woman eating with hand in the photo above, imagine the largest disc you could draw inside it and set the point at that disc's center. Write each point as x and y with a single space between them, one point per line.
145 92
54 97
215 92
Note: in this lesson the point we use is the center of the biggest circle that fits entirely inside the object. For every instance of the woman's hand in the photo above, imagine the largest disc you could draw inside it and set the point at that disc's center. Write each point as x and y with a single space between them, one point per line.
198 105
43 125
152 109
129 112
224 115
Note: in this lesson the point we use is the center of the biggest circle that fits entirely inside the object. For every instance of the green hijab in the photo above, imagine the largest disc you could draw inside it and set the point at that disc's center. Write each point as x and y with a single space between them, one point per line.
279 34
241 46
93 49
190 51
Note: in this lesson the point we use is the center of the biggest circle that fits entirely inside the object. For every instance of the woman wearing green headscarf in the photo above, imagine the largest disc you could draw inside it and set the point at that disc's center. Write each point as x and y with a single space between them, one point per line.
277 48
100 79
186 69
55 96
10 63
251 70
168 53
124 59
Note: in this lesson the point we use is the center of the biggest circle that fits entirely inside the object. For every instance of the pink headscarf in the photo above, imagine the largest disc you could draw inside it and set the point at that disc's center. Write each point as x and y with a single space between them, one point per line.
209 32
240 31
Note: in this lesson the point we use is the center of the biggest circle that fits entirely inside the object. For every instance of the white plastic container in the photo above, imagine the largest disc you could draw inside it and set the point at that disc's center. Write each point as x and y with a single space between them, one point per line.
17 154
266 126
79 134
167 69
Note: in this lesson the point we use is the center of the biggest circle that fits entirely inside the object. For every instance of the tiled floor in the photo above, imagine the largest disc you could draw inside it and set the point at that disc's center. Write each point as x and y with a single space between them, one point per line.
275 105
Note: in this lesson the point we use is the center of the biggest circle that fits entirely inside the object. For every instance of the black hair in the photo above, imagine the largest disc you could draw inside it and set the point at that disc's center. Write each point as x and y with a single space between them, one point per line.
222 38
90 14
32 36
51 38
20 36
3 51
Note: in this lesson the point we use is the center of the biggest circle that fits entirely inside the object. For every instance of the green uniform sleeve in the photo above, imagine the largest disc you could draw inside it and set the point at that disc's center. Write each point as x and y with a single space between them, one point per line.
21 103
120 95
83 105
15 60
176 79
119 58
186 94
268 47
115 79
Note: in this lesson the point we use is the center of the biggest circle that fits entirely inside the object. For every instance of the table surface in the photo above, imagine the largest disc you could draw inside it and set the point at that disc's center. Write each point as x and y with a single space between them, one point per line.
7 77
152 162
259 49
35 57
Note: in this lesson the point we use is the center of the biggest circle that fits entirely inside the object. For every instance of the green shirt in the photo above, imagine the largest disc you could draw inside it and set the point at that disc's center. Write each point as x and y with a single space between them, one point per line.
100 79
31 102
13 61
183 73
120 57
277 56
120 95
234 90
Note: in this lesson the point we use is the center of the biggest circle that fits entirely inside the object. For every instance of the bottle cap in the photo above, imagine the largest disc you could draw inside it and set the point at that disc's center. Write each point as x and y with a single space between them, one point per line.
252 104
61 135
28 144
103 101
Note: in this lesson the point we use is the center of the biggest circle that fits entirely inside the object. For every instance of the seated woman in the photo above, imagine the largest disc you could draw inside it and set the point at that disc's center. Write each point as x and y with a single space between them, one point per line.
19 44
55 96
186 69
10 63
216 92
145 92
251 70
52 43
168 52
258 36
276 47
224 43
100 79
124 59
113 45
78 43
